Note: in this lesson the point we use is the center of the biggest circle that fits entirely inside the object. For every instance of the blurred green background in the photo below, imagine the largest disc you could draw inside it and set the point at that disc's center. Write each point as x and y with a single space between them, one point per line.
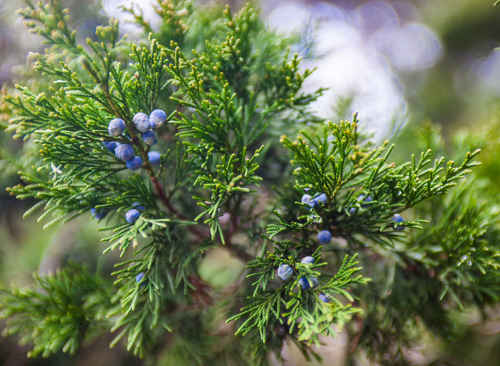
407 67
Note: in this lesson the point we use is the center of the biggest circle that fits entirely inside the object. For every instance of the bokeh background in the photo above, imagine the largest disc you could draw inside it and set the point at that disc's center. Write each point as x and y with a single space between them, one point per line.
400 64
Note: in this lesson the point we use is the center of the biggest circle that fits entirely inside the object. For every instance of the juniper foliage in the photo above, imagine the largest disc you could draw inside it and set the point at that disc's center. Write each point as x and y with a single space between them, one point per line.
230 88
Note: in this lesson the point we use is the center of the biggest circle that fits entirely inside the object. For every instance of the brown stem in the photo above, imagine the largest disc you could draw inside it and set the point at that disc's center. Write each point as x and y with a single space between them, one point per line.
165 200
158 187
202 235
355 342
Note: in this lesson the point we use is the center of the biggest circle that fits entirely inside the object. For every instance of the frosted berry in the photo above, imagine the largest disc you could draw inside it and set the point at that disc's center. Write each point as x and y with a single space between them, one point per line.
361 197
157 118
367 200
149 138
134 163
110 145
308 283
154 157
138 206
139 277
324 236
97 213
285 271
320 199
132 215
141 121
398 220
307 260
124 152
324 298
116 127
308 200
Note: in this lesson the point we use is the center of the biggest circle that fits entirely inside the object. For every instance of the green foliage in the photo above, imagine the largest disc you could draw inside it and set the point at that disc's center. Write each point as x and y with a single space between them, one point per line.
300 310
364 188
60 313
229 88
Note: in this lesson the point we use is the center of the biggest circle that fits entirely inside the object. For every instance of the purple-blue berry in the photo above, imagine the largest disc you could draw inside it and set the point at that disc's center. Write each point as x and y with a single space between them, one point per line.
139 277
134 163
141 121
132 215
324 298
324 236
149 138
110 145
124 152
308 283
138 206
320 199
398 220
157 118
285 271
367 200
97 213
116 127
308 200
154 157
307 260
361 197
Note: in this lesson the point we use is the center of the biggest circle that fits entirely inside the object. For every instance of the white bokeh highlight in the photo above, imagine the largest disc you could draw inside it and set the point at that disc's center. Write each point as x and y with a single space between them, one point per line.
357 54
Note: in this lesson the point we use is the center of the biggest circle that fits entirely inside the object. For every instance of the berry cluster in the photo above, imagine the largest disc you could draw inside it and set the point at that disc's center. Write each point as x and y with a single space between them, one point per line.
285 271
320 199
144 124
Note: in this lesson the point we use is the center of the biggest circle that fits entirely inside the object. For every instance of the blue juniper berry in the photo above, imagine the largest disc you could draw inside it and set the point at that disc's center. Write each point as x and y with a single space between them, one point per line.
110 145
308 283
134 163
132 215
308 200
141 121
157 117
361 197
124 152
154 157
149 138
324 298
139 277
116 127
324 236
97 213
398 220
367 200
285 271
307 260
320 199
304 283
138 206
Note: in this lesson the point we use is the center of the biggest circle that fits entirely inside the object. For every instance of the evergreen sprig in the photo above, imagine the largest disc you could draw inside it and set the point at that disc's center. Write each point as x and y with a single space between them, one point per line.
60 313
328 227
